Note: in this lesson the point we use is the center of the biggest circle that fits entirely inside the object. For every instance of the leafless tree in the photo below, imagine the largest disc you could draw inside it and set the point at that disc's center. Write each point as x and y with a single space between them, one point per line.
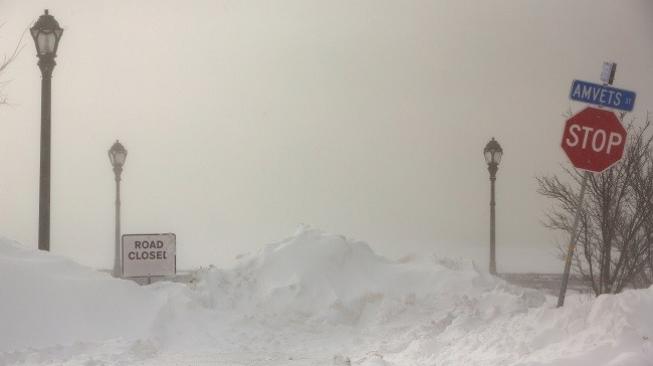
4 64
616 222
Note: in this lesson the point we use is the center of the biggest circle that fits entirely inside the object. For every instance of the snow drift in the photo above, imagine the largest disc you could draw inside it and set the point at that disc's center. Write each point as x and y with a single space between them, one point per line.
47 300
314 285
322 297
610 330
324 278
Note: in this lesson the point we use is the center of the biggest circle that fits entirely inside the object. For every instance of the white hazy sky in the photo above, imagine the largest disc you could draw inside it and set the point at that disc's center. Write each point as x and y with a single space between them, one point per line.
367 118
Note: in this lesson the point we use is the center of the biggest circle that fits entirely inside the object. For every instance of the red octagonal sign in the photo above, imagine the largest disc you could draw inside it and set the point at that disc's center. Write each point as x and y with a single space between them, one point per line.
594 139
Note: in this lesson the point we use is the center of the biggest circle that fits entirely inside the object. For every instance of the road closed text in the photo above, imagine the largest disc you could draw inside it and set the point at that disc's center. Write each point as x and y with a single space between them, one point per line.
145 255
148 250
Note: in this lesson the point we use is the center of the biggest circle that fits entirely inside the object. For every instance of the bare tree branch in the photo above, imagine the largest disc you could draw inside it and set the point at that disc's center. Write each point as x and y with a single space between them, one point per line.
616 224
6 61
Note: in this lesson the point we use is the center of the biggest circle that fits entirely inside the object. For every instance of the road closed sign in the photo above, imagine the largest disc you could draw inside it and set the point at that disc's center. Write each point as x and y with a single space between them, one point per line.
149 255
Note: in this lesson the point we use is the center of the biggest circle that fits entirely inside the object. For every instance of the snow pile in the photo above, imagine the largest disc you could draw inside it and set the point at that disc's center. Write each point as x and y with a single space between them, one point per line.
330 279
315 290
314 284
47 300
313 298
610 330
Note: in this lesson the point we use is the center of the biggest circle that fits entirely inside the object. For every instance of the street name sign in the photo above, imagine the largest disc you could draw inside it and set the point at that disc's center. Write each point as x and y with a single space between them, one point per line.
594 139
602 95
149 255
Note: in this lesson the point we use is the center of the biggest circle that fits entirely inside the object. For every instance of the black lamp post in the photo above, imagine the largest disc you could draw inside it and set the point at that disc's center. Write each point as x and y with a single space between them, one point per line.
46 33
493 153
117 156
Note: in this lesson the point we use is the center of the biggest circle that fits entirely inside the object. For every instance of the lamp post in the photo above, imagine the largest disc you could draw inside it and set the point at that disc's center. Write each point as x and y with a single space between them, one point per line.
493 153
46 33
117 156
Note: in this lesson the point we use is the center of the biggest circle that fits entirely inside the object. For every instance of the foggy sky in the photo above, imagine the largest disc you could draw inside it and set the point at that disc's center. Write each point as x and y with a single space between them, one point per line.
363 118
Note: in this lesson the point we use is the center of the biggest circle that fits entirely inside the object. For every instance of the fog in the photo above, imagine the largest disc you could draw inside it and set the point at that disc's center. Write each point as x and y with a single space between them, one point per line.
363 118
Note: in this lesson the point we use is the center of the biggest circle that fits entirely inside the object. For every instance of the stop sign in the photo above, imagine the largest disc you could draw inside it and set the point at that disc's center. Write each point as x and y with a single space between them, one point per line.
594 139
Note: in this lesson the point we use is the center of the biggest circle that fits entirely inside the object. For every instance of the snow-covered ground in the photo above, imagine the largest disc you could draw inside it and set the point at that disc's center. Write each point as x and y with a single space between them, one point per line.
311 299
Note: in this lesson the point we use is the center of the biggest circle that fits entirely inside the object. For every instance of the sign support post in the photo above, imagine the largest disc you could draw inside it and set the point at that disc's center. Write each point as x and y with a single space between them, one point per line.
573 240
602 145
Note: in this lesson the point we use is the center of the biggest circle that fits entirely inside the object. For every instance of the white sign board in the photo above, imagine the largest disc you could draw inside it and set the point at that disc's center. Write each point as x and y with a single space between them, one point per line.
607 74
146 255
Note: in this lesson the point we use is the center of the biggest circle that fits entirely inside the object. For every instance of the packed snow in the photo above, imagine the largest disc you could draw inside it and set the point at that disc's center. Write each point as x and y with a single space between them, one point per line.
312 299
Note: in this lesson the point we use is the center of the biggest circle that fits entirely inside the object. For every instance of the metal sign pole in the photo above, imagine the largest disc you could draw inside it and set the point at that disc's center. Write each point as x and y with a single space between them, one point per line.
607 76
573 240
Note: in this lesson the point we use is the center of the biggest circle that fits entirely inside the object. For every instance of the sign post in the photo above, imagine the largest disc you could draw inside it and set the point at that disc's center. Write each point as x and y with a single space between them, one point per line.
594 140
149 255
573 240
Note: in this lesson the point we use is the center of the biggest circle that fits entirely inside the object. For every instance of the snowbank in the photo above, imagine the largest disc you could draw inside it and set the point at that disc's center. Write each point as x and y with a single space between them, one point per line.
610 330
320 277
314 284
317 290
47 300
313 296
